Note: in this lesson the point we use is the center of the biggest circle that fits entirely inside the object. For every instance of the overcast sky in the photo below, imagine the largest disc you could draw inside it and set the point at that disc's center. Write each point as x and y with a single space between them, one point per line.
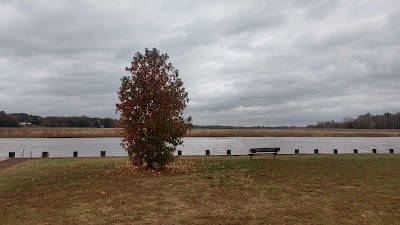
251 63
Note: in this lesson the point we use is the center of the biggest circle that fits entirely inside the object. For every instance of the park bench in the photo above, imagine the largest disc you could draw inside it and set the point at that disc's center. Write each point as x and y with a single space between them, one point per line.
254 151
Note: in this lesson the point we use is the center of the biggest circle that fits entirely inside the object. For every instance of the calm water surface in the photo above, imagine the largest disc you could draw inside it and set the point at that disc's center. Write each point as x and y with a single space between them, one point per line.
91 147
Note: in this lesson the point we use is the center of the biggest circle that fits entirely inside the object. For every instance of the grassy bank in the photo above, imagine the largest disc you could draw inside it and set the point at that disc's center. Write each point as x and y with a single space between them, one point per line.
341 189
116 132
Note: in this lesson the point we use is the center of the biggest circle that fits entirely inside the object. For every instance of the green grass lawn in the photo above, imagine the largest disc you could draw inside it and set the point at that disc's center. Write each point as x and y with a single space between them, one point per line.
314 189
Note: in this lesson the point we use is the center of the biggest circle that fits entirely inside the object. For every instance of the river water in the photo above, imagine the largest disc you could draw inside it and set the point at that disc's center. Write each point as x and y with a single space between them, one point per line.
91 147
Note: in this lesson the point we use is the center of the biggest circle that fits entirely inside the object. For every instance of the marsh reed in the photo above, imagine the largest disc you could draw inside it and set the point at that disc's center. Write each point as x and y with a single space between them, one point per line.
292 132
36 132
59 132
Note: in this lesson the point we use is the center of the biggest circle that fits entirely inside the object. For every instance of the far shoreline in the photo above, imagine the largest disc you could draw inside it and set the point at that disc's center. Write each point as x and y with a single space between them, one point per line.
64 132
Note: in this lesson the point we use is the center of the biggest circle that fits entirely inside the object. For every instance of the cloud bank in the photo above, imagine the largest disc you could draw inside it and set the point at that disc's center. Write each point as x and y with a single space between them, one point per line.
250 63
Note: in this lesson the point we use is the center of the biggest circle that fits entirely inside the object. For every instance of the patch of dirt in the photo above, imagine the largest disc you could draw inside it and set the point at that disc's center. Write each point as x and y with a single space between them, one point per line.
8 163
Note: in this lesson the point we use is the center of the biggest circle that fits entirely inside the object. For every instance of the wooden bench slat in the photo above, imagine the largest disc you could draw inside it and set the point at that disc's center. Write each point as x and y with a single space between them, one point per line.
263 150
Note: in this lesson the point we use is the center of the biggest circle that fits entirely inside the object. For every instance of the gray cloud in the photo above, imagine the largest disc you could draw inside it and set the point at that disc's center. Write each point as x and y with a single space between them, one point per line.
242 62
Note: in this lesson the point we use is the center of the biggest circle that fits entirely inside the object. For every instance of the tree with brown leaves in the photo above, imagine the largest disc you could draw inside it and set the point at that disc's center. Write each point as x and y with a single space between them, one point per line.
152 101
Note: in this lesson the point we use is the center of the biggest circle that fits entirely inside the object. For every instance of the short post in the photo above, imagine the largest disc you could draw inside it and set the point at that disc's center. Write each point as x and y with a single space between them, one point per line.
296 151
391 151
45 154
30 153
355 151
103 153
207 152
179 152
315 151
22 153
75 154
228 152
11 155
374 150
334 151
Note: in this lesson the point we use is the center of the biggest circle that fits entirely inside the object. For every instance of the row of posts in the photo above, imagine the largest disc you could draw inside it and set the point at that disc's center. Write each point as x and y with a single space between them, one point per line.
228 152
46 154
297 151
335 151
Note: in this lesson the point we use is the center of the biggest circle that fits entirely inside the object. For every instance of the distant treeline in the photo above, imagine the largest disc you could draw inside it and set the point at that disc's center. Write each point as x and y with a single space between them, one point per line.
367 121
18 119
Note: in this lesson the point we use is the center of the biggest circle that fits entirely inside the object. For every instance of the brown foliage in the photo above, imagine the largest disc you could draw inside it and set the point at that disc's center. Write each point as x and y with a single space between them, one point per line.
152 100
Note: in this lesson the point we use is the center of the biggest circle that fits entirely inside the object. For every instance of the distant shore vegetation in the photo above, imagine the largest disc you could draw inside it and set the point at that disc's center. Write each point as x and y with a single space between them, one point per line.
26 120
366 121
68 132
366 125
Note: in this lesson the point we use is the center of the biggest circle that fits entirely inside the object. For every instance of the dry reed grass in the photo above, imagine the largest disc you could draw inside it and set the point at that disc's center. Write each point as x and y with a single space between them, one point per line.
59 132
295 132
116 132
